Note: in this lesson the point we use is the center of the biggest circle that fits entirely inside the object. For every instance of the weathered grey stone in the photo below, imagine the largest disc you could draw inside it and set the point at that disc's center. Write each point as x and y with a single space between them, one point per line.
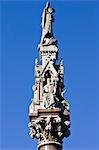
49 112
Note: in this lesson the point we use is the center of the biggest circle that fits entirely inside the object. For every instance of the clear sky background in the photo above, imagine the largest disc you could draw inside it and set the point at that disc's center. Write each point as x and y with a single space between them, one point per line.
76 28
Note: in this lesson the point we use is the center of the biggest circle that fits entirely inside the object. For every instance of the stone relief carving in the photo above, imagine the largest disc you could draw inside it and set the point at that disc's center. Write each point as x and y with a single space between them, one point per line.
49 129
49 92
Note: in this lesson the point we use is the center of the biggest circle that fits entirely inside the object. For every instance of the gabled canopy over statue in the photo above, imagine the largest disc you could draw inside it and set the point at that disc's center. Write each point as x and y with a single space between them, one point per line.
47 19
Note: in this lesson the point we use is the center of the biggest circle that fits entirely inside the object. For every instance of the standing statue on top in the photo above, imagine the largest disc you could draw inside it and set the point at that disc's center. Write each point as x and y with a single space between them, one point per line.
47 19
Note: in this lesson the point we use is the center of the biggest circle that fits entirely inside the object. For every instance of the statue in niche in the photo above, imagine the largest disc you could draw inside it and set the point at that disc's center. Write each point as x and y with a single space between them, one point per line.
47 19
49 92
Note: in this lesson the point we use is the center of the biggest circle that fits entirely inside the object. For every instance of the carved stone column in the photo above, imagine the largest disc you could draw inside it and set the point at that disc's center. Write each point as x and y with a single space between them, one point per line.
49 112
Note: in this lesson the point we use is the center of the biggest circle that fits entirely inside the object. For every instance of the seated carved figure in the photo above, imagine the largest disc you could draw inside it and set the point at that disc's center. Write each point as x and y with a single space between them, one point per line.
49 91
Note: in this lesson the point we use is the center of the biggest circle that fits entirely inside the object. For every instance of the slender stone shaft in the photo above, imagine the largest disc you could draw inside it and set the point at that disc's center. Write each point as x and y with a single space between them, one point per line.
50 147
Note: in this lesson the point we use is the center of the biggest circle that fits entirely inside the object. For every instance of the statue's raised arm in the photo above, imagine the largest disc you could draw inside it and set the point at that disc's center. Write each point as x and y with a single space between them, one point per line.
44 14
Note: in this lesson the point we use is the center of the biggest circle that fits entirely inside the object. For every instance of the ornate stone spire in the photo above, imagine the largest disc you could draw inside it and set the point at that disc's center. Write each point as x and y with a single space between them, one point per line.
49 111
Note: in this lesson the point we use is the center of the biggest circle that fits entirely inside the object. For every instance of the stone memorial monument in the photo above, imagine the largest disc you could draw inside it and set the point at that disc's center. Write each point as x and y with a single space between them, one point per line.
49 112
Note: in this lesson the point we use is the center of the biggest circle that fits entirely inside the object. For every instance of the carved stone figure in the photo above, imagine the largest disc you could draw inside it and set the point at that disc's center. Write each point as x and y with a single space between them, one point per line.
66 105
48 128
47 19
49 88
49 91
32 132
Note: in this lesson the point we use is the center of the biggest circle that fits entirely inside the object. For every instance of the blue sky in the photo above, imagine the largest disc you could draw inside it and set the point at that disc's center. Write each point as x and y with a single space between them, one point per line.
76 28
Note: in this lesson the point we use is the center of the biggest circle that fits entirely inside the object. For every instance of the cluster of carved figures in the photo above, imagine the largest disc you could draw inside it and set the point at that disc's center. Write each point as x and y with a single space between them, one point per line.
49 89
49 129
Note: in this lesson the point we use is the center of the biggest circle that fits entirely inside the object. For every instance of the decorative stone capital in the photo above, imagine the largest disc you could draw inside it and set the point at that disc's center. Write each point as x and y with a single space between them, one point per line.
49 126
